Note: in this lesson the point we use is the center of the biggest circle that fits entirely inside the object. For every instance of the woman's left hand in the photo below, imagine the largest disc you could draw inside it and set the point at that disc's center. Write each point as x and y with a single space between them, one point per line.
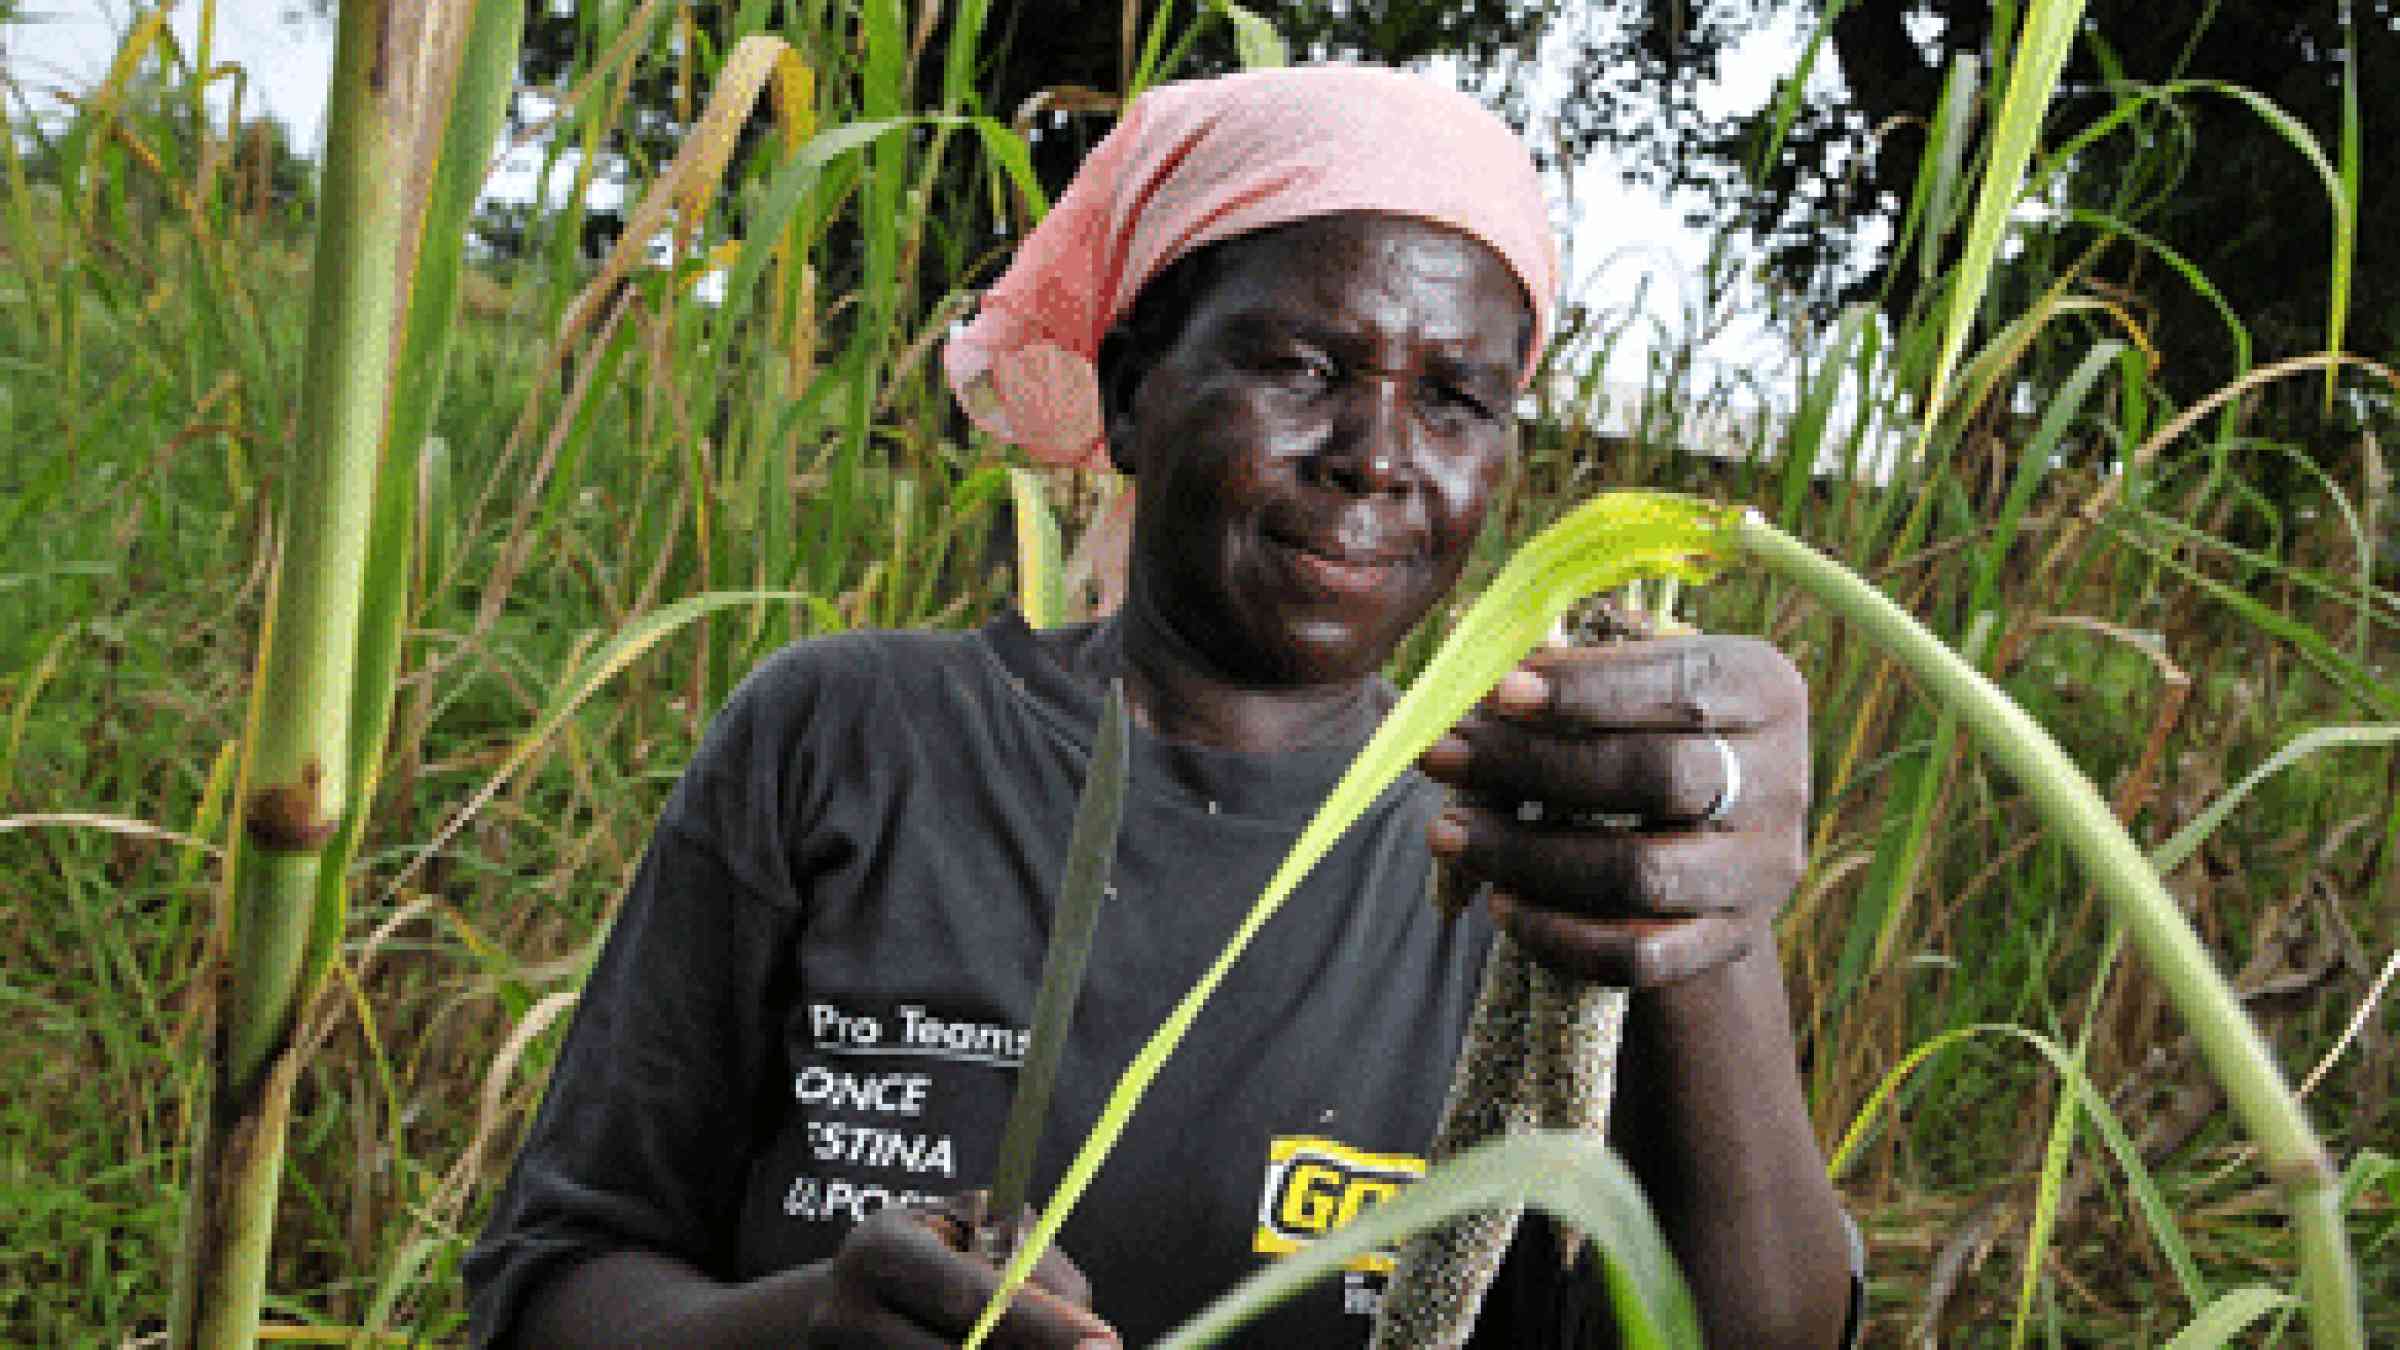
1668 789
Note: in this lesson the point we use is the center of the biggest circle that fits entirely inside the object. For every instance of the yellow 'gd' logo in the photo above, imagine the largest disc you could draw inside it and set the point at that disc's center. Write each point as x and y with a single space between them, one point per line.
1317 1185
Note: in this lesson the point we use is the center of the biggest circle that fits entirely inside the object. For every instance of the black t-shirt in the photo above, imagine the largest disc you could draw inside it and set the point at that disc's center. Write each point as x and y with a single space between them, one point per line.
817 989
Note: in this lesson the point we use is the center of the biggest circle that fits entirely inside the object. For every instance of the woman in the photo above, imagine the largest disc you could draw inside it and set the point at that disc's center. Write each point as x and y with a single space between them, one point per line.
1296 307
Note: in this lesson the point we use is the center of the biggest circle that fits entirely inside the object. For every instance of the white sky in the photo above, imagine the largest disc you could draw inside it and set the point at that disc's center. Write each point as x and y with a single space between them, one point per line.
66 44
1621 236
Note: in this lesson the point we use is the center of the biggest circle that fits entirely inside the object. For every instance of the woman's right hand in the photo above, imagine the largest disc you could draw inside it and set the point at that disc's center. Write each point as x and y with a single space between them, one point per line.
910 1277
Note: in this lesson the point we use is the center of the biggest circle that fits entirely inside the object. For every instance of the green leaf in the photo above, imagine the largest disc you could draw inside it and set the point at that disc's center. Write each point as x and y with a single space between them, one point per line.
2041 52
1041 581
1804 445
2147 1197
2345 219
1091 856
2074 1090
630 643
1145 69
2171 854
1255 40
2350 677
1572 1177
962 46
1936 192
791 182
2367 1171
1007 151
2341 181
2221 1320
1788 92
2033 463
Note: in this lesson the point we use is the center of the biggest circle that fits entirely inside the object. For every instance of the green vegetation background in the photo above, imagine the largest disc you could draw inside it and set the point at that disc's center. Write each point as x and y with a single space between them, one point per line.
609 448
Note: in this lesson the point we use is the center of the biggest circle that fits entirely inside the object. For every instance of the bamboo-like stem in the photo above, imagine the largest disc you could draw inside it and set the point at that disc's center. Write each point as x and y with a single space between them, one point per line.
2075 813
299 745
459 114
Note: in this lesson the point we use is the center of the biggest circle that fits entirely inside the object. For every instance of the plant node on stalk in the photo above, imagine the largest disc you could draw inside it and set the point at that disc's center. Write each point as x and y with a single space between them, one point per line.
285 818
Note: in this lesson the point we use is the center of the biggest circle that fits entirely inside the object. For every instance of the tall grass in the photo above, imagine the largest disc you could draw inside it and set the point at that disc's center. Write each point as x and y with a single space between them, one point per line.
629 493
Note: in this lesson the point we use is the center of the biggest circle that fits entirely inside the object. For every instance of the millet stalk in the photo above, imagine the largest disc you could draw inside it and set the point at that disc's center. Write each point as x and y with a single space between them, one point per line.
299 742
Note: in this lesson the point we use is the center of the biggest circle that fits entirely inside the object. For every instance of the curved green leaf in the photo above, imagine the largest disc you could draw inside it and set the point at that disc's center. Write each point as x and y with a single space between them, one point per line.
2147 1197
1575 1178
2219 1322
635 638
1041 580
2041 53
2171 854
1255 40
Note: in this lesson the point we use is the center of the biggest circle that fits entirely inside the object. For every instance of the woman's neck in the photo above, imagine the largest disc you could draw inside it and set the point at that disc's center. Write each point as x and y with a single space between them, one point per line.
1172 692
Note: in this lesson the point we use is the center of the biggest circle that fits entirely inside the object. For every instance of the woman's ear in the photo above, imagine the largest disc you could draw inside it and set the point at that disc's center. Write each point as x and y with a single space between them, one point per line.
1120 368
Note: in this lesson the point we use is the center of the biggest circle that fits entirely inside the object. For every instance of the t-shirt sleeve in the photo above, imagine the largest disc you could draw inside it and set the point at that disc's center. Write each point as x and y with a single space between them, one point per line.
643 1138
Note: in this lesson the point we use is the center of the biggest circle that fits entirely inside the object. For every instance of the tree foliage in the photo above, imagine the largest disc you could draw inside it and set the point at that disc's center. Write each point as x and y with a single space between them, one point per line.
2204 175
1035 45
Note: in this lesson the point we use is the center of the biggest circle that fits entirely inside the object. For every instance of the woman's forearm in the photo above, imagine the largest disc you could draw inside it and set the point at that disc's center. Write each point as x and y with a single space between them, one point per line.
634 1298
1709 1114
901 1277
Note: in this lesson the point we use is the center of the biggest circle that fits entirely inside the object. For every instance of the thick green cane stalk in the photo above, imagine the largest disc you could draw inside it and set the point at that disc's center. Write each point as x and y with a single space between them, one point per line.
299 755
2074 812
470 117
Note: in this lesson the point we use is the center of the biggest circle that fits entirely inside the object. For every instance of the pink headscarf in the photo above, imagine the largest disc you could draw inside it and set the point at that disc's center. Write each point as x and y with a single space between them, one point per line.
1204 160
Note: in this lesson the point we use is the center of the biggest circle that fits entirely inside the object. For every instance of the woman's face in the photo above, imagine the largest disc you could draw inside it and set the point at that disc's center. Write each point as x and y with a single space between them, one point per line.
1317 447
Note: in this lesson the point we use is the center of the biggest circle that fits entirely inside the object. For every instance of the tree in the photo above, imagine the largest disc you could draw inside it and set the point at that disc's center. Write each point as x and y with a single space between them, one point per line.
2206 176
1032 45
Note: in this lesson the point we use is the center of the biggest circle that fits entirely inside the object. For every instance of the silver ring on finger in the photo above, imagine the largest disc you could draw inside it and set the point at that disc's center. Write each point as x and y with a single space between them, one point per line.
1729 794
